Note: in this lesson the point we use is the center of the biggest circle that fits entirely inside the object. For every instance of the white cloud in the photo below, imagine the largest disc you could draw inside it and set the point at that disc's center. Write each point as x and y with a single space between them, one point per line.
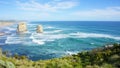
64 5
109 12
49 6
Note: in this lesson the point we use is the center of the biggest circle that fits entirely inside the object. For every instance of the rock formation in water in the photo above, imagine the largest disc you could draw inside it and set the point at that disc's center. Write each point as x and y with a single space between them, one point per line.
21 28
39 29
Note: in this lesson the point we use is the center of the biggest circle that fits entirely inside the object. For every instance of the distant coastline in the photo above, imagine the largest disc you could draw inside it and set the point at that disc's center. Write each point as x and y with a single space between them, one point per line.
6 23
3 24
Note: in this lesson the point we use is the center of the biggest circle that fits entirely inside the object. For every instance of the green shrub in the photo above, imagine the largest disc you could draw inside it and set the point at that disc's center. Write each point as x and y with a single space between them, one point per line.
6 64
2 64
104 57
105 65
9 65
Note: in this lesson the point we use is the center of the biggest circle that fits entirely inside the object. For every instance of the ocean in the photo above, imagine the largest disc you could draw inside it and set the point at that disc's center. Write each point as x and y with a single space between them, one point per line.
60 38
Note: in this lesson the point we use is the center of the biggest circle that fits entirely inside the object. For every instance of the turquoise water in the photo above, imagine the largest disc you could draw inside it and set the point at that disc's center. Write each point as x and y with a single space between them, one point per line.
60 38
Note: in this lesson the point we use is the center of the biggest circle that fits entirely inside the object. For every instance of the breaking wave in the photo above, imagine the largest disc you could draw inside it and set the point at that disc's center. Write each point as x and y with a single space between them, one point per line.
47 37
38 41
70 52
54 31
50 27
12 40
10 28
93 35
42 38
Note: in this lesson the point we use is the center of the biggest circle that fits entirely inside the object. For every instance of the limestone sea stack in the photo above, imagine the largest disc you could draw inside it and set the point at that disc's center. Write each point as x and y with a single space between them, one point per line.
39 29
21 28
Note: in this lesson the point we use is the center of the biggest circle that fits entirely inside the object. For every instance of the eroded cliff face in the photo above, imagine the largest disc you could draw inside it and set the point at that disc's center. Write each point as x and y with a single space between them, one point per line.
39 29
21 28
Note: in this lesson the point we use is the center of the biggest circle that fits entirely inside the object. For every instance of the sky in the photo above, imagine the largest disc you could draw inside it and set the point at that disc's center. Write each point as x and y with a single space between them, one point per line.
60 10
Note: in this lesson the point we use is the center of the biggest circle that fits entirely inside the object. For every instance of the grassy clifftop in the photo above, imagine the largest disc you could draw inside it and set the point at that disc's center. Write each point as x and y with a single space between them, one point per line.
104 57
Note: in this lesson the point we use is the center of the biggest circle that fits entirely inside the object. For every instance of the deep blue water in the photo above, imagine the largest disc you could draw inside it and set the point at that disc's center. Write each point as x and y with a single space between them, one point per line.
60 38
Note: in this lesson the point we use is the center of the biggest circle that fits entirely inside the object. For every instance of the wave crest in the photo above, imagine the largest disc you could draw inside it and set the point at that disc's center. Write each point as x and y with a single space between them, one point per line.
93 35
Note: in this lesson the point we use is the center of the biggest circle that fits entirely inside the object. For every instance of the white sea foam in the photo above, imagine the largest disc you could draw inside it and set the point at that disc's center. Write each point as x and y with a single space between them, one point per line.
7 32
93 35
50 27
92 43
54 31
42 38
38 41
31 24
35 40
28 32
16 40
10 28
70 52
46 37
12 40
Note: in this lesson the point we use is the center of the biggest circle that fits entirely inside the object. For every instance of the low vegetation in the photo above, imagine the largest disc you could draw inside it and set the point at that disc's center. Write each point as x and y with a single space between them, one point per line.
104 57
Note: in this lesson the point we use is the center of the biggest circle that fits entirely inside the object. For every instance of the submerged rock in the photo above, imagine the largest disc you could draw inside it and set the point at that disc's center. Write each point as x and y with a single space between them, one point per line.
39 29
21 28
